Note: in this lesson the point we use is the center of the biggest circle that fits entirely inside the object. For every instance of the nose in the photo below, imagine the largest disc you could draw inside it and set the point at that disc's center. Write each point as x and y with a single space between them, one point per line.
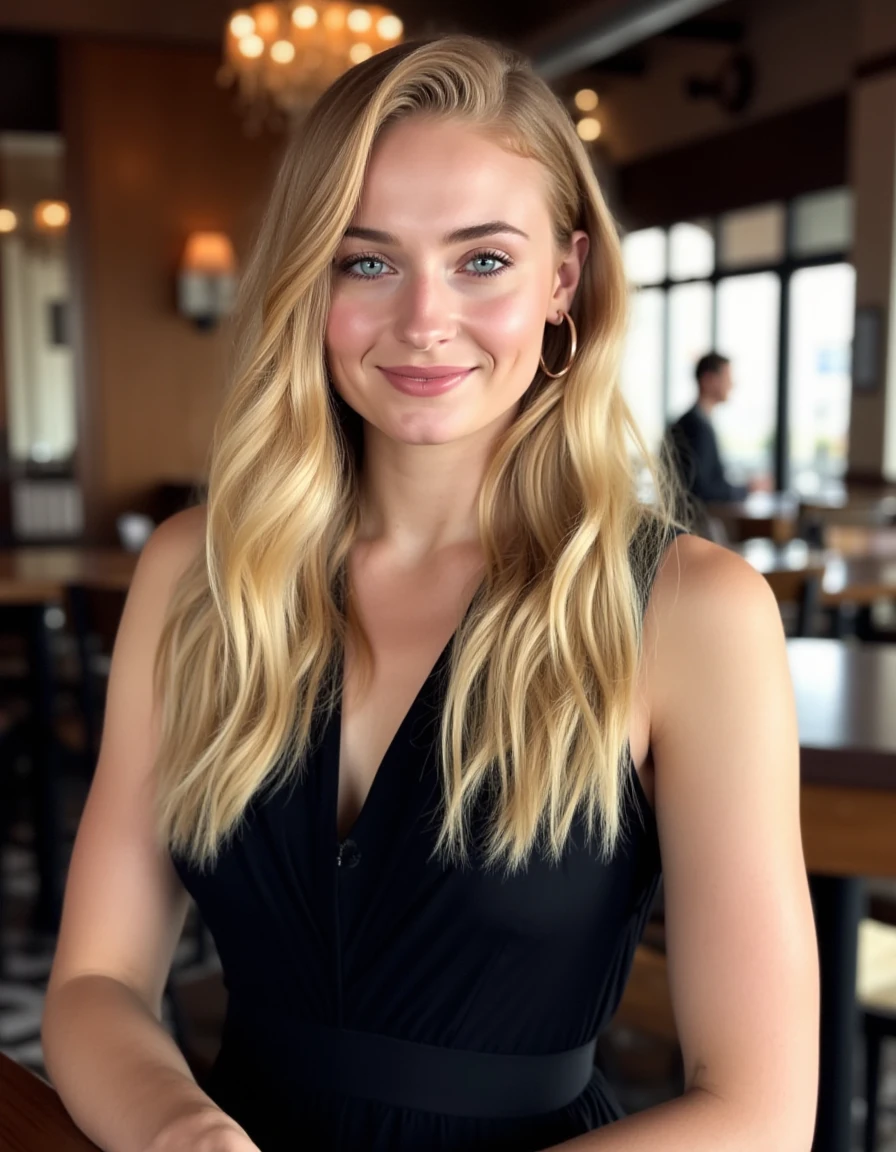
426 312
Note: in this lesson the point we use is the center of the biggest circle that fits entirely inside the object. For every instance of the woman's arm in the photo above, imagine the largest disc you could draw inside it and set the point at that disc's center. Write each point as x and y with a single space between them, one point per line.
118 1072
741 944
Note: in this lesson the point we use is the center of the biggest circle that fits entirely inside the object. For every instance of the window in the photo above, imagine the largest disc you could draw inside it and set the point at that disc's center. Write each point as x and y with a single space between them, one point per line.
642 366
753 236
823 222
644 254
690 337
692 251
722 284
749 307
821 314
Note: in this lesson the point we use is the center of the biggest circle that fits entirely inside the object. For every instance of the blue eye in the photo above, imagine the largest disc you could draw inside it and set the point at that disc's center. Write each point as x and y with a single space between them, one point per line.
347 267
493 258
361 260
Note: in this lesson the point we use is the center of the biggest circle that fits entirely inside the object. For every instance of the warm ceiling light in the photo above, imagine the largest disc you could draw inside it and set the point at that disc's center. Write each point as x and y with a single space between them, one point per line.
51 215
282 52
389 27
359 20
241 25
293 49
251 47
334 17
267 19
588 128
304 16
8 220
586 99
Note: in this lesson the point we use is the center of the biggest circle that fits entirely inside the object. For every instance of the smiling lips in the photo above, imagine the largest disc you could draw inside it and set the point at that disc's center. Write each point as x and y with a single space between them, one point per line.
414 381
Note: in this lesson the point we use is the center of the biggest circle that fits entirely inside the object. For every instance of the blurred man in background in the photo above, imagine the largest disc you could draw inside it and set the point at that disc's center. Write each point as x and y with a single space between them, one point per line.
693 443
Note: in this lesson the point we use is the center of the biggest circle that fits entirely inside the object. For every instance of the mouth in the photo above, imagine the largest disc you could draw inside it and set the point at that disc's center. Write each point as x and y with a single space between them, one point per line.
425 381
408 372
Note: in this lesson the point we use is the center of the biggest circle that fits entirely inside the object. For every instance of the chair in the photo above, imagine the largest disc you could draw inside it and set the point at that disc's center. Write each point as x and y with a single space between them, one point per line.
95 614
801 588
876 992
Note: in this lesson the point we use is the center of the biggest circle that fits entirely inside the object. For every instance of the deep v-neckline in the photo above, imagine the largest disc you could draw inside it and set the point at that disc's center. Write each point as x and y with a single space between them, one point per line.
382 769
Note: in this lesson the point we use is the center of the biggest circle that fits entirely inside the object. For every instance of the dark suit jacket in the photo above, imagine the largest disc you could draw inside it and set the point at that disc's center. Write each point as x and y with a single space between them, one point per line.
695 449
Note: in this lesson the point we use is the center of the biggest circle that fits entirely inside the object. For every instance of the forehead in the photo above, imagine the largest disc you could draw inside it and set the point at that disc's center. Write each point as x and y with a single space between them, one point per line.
428 175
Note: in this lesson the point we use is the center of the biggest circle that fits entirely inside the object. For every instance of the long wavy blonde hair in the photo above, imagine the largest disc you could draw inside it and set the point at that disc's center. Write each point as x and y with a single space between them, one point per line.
542 670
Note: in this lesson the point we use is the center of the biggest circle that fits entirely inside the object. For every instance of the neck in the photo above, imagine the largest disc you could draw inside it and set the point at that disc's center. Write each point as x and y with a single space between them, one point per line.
706 405
420 499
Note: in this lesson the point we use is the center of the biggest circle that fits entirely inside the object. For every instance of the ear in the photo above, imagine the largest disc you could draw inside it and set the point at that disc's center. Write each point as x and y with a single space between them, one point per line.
567 276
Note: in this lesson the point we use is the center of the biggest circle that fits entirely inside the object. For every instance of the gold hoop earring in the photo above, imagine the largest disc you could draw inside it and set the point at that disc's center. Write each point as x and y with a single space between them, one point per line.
573 343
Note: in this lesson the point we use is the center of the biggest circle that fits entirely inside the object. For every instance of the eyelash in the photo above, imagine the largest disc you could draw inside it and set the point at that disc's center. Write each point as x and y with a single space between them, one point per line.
488 253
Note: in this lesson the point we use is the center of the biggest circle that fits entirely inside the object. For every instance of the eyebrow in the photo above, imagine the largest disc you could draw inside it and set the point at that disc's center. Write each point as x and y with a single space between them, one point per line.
458 236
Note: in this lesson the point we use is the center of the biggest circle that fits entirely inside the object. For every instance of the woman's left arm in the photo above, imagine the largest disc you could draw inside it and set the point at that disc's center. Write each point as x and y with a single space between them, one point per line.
742 955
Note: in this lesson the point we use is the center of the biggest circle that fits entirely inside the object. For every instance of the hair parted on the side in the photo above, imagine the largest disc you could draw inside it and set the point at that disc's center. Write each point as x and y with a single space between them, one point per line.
542 670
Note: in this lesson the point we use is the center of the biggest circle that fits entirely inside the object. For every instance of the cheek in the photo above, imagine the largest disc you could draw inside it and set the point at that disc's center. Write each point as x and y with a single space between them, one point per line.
510 325
350 325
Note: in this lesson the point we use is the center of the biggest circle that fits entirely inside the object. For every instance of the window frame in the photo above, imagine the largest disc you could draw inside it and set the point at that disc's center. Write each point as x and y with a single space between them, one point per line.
785 268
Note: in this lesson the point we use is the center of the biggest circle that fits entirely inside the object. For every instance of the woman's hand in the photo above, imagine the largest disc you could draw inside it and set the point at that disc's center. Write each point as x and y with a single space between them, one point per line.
205 1128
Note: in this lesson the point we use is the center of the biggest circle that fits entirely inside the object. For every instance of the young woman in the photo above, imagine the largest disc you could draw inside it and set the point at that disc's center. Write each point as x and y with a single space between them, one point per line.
415 707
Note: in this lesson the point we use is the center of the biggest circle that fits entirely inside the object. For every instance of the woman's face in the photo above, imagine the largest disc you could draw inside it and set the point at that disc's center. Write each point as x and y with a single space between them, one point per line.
449 263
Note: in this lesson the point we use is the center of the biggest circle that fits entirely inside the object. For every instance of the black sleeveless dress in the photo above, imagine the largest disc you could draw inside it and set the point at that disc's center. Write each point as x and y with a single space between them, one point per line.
380 1002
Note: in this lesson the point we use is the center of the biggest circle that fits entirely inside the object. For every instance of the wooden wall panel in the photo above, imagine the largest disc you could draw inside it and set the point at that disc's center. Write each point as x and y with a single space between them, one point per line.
155 150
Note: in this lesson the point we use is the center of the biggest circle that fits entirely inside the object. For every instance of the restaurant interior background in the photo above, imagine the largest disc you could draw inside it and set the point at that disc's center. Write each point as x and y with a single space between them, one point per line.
748 152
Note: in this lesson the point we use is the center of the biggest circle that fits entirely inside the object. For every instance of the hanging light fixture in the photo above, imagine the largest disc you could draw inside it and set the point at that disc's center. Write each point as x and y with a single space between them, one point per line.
283 55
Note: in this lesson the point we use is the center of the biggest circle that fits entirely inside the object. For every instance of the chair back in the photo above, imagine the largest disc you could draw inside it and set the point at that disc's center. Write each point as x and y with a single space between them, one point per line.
801 589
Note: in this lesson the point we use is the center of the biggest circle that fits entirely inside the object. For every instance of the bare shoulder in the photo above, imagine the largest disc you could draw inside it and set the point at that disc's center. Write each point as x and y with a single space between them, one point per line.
712 620
700 585
172 547
182 534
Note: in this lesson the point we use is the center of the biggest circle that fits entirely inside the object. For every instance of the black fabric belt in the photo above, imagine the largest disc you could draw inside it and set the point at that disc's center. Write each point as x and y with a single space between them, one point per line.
451 1081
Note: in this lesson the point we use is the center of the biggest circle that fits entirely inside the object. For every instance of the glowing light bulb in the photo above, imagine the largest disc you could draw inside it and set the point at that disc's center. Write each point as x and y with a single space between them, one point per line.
588 128
304 16
251 47
359 20
389 27
282 52
51 214
586 100
241 25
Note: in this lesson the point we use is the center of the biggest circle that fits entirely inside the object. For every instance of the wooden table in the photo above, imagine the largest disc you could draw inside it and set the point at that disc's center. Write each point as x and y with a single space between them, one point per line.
41 575
858 580
32 1117
861 539
32 579
858 507
845 695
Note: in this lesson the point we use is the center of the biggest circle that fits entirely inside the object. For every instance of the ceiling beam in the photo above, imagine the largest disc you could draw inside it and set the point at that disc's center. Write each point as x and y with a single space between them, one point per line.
708 31
604 28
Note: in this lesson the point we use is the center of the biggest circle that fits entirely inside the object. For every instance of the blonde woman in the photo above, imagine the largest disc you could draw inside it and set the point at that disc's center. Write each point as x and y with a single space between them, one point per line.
390 708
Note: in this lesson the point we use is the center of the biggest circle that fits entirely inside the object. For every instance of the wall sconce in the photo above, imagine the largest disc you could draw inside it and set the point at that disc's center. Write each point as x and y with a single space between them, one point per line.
206 279
8 220
51 216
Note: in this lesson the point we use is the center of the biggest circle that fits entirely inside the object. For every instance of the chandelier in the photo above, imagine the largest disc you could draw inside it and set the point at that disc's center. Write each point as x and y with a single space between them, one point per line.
283 55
